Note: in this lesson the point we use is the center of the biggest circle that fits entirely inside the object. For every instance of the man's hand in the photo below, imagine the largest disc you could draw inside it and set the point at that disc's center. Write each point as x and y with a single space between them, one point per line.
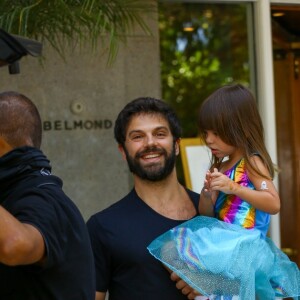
184 287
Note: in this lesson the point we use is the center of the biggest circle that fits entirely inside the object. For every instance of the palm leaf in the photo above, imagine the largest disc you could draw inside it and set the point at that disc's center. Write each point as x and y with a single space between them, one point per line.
62 22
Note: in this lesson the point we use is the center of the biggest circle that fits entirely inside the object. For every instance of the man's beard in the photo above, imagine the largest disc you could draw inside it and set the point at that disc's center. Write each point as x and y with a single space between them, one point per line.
153 172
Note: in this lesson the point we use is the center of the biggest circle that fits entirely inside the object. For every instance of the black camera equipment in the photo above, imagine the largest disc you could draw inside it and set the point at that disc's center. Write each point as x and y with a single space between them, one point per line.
13 47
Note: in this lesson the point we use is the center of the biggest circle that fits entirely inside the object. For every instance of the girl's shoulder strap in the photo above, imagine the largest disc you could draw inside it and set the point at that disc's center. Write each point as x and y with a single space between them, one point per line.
226 170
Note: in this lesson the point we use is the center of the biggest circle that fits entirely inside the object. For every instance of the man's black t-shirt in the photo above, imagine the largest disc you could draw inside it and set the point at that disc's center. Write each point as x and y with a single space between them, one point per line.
120 235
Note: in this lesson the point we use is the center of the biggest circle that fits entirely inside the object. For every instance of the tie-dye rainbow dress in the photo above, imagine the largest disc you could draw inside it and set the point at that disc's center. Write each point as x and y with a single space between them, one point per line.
229 257
234 210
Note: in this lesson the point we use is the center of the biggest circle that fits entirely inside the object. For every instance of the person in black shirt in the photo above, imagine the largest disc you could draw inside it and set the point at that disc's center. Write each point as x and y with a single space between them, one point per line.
148 134
45 251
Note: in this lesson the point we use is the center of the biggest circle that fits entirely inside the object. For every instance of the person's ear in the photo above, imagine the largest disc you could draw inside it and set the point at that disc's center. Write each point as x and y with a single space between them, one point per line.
121 149
177 146
4 146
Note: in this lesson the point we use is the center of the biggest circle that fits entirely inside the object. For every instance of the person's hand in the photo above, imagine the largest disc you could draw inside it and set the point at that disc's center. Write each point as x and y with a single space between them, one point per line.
207 181
184 287
208 192
220 182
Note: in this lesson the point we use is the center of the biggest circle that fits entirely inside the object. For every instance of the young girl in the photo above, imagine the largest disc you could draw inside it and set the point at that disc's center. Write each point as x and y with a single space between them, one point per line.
229 255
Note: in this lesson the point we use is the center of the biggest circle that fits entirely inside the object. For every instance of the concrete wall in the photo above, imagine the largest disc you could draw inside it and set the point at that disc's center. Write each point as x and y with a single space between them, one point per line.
78 100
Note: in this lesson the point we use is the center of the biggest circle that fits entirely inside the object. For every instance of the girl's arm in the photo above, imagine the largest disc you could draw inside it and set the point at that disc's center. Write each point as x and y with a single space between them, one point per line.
264 198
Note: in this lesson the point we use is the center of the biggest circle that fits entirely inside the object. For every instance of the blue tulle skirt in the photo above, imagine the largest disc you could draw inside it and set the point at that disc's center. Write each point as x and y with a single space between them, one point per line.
221 259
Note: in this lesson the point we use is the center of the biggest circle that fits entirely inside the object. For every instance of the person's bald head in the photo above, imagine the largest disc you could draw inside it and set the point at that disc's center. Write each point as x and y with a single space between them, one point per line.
20 121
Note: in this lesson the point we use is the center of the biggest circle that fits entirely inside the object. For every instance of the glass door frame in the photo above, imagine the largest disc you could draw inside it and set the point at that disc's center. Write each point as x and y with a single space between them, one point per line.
265 85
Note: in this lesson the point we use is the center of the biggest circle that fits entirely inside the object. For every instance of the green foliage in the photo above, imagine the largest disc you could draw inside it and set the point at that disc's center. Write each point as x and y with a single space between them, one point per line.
62 22
194 63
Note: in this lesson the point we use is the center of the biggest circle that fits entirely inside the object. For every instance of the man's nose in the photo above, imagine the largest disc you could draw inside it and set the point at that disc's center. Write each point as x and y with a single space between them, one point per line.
150 140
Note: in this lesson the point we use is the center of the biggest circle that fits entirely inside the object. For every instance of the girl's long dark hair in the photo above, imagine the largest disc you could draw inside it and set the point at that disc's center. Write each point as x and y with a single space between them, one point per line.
231 111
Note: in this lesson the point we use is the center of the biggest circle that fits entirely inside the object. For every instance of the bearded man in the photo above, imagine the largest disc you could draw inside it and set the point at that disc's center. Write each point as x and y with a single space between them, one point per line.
148 134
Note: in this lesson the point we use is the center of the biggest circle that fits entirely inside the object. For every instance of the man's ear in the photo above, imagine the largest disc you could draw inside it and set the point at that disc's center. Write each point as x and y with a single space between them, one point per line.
121 149
4 146
177 146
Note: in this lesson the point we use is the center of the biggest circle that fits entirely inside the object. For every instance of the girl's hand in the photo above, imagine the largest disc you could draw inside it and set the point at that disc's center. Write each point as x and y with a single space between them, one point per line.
207 180
207 189
207 197
220 182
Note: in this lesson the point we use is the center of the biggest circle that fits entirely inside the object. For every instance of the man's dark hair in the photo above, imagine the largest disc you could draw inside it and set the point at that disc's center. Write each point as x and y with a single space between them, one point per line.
20 121
145 105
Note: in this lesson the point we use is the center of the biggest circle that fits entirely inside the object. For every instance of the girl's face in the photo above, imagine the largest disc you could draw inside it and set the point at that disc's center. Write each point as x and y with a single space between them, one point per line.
219 148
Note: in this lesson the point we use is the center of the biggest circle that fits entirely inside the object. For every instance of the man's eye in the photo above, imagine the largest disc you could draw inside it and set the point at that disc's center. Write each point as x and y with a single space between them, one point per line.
160 134
136 137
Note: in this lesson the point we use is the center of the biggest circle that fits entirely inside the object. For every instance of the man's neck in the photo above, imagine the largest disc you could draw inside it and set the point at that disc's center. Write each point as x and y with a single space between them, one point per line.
162 189
167 197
